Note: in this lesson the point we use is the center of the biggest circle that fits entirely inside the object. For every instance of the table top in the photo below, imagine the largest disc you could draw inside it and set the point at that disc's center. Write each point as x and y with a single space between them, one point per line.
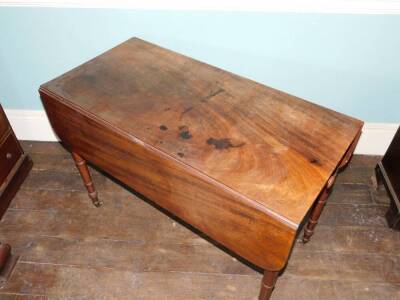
271 147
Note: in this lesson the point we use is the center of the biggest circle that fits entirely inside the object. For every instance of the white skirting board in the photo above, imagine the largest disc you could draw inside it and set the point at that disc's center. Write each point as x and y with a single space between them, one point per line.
34 125
376 138
31 125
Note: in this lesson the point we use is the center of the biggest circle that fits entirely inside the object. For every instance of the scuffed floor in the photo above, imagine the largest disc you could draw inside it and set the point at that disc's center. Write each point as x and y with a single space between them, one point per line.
129 249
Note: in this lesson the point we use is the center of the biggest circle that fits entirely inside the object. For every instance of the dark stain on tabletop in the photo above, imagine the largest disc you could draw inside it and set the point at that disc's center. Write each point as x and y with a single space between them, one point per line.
315 161
223 143
184 132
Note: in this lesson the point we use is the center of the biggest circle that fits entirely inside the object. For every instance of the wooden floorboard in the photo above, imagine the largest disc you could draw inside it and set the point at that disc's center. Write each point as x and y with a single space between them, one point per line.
131 249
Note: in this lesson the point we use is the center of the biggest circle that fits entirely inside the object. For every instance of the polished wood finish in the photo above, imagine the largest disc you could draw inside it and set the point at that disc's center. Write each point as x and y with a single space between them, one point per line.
87 178
267 285
203 203
128 249
239 161
388 174
14 167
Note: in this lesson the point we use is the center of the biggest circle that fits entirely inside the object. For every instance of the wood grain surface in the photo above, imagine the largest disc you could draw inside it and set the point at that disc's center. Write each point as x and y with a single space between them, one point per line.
240 162
266 145
242 226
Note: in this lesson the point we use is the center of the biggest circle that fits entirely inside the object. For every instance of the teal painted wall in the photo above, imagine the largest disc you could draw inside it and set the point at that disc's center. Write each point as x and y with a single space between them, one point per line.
350 63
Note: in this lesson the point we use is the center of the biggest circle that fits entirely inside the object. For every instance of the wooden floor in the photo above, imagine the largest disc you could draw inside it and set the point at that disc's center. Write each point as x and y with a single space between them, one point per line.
128 249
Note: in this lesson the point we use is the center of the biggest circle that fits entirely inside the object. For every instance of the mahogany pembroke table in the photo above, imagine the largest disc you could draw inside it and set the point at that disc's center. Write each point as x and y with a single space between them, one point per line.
243 163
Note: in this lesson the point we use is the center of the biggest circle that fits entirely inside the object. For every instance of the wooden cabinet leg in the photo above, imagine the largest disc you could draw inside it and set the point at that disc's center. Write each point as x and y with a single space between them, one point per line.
317 210
87 178
7 263
268 284
393 216
378 177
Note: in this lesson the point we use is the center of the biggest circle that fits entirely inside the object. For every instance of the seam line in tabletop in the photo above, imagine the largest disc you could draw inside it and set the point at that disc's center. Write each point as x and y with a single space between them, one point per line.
252 202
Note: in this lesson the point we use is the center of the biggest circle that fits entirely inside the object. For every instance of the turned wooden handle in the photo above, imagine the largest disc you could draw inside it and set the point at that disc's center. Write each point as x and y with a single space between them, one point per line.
5 251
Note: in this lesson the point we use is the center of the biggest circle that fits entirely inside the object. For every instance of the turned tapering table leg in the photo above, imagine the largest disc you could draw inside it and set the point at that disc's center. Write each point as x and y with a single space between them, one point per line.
267 284
317 210
87 178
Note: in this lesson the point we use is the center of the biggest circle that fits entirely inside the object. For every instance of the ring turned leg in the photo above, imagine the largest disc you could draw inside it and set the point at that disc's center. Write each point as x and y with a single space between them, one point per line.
317 210
268 284
87 179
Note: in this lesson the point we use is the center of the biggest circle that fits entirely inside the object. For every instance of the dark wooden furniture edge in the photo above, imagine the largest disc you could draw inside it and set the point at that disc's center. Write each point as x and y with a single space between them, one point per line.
7 192
5 135
14 180
393 214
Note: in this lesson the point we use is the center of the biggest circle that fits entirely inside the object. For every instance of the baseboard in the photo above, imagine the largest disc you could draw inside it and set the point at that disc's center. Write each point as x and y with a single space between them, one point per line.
376 138
34 125
31 125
